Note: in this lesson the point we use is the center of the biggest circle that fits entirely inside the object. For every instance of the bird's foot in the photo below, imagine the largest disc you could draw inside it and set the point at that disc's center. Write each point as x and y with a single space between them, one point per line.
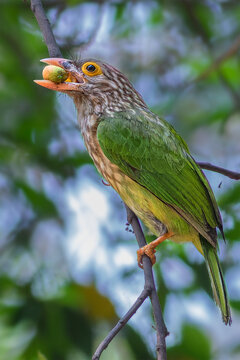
146 250
150 249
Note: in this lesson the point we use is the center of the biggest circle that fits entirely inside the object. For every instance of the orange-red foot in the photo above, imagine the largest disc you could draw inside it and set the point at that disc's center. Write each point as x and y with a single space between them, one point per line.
150 250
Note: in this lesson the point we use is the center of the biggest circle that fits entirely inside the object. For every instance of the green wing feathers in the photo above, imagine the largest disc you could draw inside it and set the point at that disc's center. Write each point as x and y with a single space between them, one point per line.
149 151
217 280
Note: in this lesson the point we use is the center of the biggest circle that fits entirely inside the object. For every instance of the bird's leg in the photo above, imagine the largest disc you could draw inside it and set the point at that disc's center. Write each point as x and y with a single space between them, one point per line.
150 250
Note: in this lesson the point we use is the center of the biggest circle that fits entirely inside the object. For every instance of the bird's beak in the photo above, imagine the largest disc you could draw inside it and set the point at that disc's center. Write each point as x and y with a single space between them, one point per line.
73 82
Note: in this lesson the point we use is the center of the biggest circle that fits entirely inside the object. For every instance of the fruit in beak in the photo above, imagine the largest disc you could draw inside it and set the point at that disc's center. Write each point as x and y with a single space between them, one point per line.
60 75
54 74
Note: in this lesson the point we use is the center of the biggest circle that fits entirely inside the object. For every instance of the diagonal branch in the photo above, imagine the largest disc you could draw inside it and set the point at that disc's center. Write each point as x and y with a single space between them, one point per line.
43 22
121 323
149 290
162 331
231 174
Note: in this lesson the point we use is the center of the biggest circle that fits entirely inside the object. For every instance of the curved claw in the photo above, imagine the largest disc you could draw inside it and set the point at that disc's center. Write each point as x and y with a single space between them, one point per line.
150 250
146 250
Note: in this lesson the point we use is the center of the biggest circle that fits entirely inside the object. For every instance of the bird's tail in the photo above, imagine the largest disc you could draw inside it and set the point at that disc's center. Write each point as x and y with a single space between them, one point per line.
217 280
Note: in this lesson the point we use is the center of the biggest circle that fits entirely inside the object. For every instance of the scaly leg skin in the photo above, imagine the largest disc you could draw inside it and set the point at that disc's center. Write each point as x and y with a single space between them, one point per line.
150 250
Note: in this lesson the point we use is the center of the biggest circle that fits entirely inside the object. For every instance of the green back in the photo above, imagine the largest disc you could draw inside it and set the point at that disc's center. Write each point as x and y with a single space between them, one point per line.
149 151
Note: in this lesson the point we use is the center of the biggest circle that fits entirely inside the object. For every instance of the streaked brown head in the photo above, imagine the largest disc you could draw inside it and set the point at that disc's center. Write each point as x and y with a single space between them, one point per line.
98 85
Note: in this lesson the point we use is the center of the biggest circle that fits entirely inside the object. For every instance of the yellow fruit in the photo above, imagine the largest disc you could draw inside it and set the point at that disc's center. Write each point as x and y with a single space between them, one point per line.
55 74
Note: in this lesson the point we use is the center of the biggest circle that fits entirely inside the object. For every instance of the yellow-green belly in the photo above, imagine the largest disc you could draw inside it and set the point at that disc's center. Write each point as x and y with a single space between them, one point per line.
156 215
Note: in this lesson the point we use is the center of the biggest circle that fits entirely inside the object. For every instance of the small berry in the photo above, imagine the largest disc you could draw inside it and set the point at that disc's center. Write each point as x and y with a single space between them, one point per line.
55 74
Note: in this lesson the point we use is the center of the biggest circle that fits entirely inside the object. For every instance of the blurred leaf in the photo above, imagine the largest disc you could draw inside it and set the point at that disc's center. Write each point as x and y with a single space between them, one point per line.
230 197
231 70
94 304
120 9
40 203
137 345
235 305
234 233
156 16
194 345
41 356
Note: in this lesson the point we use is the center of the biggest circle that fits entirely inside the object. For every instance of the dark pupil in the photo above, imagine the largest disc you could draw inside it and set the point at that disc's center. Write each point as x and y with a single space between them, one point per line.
91 68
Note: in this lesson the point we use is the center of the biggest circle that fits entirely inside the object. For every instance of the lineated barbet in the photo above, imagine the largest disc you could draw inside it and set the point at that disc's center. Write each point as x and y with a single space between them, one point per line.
145 161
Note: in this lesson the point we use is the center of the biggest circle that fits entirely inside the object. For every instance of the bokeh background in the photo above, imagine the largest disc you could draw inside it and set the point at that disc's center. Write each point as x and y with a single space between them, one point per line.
68 266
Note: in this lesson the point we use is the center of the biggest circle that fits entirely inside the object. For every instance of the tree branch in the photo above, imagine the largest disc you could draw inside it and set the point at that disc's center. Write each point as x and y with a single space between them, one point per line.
162 331
149 290
121 323
231 174
37 9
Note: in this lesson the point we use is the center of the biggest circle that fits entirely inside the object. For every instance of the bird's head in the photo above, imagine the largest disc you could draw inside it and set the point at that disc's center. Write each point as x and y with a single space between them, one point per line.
93 84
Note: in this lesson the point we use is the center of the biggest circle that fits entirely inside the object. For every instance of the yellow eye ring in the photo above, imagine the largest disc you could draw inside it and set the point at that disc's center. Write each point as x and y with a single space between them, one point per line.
91 69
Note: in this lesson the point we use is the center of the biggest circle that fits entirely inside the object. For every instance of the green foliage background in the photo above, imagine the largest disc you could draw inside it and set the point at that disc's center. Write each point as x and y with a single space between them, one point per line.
47 310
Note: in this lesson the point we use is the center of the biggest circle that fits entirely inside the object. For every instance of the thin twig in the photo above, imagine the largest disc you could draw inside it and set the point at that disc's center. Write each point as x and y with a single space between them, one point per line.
162 331
121 323
37 9
149 290
231 174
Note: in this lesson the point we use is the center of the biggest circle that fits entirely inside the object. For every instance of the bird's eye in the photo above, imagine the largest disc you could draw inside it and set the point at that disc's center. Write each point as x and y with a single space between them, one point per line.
91 69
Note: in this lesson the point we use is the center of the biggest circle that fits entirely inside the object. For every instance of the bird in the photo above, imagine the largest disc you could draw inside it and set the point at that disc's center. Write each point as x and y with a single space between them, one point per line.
146 161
